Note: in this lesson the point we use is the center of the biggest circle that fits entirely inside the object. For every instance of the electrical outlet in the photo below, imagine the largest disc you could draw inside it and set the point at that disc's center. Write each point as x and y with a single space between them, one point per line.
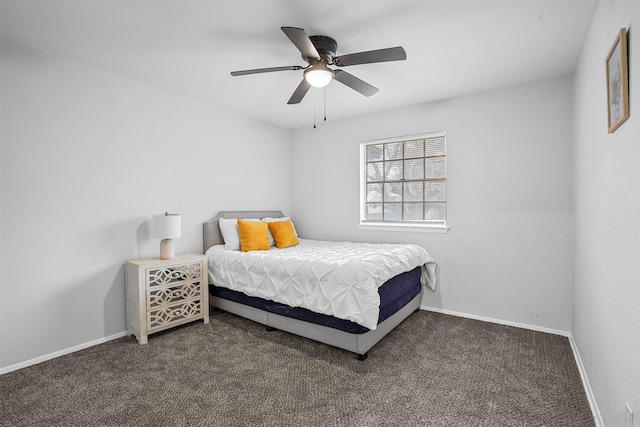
628 416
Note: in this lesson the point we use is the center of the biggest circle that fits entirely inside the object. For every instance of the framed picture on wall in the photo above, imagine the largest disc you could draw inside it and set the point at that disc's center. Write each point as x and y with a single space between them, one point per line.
618 82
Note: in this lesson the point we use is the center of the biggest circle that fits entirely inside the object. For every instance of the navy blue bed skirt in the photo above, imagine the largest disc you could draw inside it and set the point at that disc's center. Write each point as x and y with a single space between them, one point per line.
394 294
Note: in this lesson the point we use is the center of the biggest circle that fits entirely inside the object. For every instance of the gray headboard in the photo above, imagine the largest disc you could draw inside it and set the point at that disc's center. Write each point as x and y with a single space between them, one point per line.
211 231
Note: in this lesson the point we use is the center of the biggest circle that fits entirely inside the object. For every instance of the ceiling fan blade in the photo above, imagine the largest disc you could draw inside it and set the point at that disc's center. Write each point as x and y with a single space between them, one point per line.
302 41
355 83
371 56
300 92
265 70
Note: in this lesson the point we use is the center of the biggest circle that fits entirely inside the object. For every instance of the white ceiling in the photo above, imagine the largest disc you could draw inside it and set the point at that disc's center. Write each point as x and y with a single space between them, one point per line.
190 47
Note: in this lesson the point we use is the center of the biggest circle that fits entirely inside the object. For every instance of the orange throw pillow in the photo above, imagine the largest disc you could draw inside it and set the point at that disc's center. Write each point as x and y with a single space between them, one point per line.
254 236
283 233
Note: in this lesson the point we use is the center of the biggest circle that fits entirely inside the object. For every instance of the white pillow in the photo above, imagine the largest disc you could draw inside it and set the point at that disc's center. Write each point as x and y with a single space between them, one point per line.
230 233
272 241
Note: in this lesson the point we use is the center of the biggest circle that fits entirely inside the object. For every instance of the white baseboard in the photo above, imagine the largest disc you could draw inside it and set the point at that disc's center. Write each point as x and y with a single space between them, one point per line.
587 387
50 356
583 374
498 321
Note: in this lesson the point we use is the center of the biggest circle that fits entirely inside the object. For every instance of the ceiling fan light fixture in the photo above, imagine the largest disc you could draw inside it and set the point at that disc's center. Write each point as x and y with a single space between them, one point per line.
318 75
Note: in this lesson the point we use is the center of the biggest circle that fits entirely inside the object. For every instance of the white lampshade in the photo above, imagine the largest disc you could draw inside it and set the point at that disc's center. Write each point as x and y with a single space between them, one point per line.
318 75
166 226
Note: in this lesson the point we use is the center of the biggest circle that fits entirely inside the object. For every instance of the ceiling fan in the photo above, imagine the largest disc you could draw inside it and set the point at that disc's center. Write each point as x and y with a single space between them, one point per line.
320 52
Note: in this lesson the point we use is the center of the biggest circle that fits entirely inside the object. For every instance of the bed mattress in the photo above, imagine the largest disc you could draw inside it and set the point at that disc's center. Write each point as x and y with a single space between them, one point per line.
394 294
339 279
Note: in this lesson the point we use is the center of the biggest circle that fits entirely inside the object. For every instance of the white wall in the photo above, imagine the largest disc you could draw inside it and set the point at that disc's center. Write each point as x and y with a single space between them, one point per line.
508 253
606 302
87 158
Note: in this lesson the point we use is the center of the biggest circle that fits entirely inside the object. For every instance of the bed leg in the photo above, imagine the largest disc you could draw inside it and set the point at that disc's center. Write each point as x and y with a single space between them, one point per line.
362 357
269 328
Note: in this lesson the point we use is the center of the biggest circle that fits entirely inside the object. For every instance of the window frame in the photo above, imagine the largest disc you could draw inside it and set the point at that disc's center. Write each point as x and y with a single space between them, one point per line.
401 225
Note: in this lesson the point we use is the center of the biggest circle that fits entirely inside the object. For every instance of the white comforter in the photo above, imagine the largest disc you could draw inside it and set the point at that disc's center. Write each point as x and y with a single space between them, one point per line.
340 279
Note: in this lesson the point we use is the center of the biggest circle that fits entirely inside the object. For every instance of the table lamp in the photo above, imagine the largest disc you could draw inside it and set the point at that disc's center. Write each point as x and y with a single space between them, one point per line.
166 226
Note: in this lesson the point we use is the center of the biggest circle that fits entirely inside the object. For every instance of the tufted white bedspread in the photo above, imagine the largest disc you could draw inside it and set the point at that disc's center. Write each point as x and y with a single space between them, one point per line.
339 279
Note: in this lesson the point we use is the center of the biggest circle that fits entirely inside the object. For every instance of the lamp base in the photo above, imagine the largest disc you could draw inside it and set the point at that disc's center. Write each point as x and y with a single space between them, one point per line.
167 250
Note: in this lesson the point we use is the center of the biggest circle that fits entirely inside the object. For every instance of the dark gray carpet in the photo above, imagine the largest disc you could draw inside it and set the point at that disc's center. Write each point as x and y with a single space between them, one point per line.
433 370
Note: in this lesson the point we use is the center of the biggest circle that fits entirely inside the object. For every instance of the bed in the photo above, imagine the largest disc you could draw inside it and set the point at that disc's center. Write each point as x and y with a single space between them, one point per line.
356 330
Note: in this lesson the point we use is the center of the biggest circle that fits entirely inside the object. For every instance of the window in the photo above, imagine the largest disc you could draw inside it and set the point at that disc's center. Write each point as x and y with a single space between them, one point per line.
404 181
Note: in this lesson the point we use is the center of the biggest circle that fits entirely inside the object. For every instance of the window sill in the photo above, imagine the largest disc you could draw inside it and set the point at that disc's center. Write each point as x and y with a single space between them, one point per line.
421 228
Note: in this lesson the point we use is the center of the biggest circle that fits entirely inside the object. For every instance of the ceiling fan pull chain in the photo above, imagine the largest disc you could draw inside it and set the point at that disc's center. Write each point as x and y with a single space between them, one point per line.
314 109
324 93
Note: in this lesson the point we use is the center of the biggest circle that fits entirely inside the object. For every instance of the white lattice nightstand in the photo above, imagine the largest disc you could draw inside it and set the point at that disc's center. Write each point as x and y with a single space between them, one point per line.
163 294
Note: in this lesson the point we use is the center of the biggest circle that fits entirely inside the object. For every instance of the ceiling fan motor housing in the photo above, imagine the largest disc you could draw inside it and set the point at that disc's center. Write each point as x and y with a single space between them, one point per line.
326 47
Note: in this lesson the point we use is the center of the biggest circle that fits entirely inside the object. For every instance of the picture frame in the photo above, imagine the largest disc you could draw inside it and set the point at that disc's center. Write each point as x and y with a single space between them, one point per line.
618 82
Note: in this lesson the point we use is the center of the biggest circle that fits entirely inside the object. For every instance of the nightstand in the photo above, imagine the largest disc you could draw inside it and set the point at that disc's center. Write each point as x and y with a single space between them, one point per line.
162 294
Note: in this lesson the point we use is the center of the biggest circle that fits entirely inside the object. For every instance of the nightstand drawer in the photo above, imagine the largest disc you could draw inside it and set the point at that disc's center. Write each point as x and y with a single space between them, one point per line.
173 315
173 274
159 296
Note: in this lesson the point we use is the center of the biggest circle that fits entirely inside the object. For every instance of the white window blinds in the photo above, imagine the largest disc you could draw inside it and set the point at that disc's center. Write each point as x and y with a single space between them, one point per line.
405 180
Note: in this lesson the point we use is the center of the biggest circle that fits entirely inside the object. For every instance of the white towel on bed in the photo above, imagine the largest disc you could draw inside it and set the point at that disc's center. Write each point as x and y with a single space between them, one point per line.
339 279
